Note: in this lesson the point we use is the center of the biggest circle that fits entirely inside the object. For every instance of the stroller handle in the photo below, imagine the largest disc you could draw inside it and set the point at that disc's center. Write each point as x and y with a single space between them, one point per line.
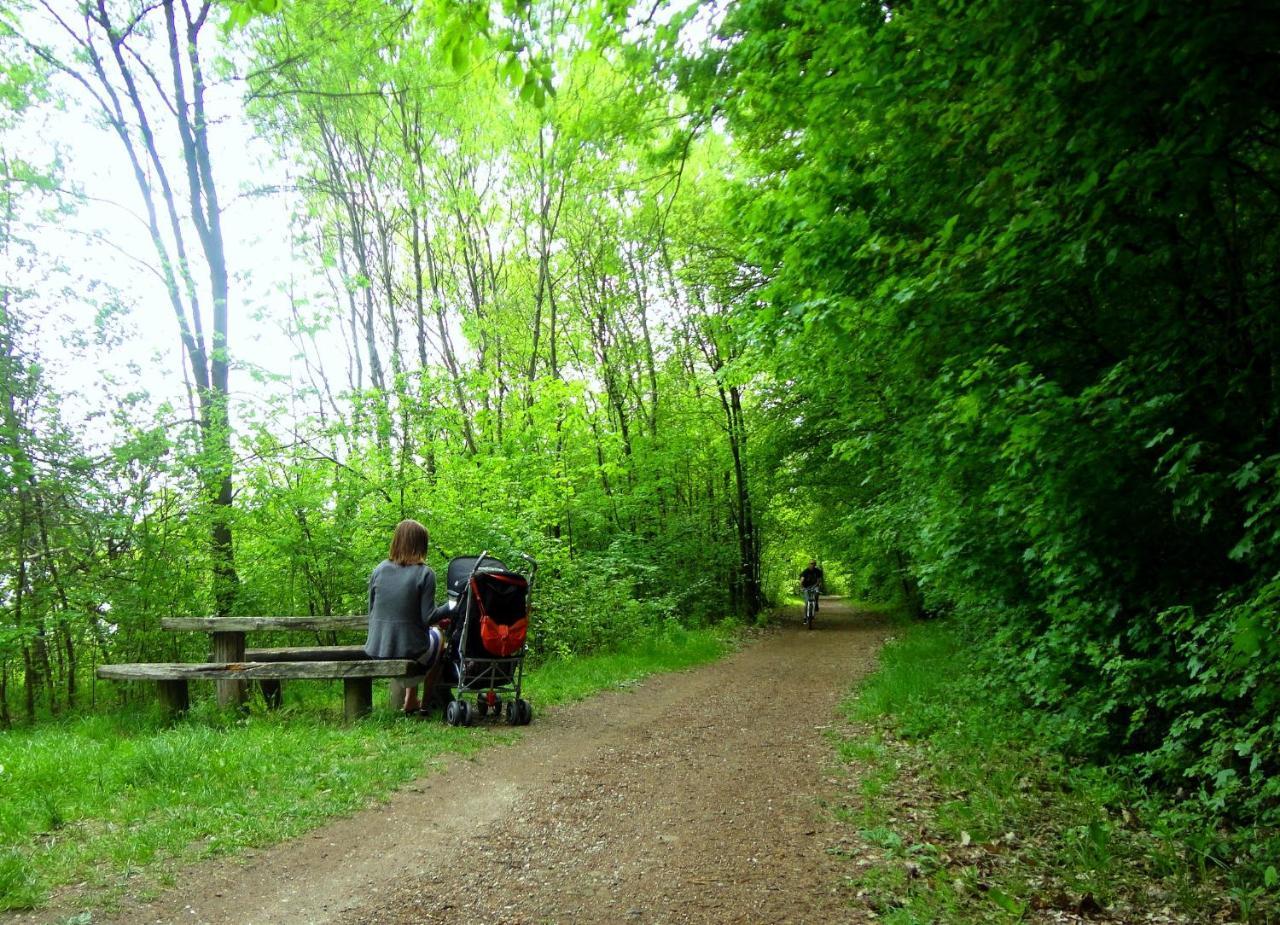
533 571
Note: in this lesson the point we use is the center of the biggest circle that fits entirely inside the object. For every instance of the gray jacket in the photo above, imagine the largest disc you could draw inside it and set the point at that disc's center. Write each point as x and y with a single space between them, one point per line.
401 601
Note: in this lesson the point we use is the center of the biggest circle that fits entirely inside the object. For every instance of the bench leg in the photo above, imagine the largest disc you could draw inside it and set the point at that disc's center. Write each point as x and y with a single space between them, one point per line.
174 696
272 693
395 693
229 647
357 697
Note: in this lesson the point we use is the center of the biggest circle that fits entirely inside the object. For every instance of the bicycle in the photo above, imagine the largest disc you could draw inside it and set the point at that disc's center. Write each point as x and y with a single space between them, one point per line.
810 606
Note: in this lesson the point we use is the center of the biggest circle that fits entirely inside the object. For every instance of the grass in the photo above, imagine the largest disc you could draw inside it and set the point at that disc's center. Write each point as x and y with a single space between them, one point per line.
104 800
676 648
119 802
966 817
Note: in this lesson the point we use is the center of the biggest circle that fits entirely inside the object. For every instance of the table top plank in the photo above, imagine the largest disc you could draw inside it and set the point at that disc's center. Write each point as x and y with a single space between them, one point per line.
307 654
255 624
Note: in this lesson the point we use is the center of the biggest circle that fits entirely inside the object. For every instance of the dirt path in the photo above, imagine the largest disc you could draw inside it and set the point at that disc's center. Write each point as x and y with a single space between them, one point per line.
693 797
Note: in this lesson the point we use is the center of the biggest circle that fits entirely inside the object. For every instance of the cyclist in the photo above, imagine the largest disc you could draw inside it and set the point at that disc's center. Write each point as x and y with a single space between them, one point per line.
811 578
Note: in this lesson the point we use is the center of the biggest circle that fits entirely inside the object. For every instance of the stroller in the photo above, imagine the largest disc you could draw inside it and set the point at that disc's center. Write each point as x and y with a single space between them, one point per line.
488 610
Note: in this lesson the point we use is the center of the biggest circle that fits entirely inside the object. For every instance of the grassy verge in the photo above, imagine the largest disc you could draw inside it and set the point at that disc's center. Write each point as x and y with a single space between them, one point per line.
119 802
565 680
962 816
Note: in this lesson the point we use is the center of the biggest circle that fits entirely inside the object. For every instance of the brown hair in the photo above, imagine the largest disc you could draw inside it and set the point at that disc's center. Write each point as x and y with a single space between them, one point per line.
409 545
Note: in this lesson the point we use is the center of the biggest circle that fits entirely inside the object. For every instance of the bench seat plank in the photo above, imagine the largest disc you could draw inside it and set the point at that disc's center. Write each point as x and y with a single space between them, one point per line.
217 671
357 676
255 624
273 689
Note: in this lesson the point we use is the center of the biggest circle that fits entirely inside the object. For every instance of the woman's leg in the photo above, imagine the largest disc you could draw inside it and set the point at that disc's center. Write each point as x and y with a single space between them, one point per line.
429 701
432 660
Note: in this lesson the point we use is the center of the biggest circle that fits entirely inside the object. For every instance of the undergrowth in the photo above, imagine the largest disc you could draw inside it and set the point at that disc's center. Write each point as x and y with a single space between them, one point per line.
964 815
572 678
118 802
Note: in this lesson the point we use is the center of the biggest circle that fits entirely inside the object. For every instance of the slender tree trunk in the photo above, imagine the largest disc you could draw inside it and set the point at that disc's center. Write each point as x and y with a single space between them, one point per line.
6 720
911 597
749 542
735 425
30 649
651 370
544 290
446 347
67 648
110 74
31 661
206 214
29 688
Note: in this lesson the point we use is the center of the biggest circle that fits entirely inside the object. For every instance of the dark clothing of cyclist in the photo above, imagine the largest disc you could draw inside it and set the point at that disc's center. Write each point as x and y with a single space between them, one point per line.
811 577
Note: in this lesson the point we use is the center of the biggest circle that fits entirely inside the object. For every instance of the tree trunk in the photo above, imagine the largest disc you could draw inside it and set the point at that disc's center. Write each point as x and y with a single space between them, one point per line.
911 597
6 720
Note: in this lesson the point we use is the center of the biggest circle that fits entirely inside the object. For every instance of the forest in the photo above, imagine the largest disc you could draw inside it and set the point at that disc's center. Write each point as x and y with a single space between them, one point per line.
974 301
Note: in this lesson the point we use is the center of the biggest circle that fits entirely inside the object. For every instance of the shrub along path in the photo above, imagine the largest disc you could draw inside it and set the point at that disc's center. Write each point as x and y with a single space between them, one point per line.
692 797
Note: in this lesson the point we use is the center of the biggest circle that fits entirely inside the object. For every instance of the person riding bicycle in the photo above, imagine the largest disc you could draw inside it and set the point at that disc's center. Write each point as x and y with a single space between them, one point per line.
811 578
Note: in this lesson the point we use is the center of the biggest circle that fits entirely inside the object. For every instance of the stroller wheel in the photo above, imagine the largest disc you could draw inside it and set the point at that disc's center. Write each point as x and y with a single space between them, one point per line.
513 713
526 712
454 714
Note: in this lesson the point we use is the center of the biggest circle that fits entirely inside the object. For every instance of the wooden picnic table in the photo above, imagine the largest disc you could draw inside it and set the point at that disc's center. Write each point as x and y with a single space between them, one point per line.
232 666
227 635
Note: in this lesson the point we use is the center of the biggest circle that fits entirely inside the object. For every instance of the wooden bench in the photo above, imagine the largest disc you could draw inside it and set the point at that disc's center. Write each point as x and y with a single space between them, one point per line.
356 674
273 689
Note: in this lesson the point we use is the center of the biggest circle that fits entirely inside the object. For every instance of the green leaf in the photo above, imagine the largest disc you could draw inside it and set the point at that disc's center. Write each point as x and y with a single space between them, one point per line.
1006 902
1248 637
459 56
513 71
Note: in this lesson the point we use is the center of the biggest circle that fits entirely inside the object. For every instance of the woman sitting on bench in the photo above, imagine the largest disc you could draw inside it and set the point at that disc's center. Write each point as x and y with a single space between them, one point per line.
402 591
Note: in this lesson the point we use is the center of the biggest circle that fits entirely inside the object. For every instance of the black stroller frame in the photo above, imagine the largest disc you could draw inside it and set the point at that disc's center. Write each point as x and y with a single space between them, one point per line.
495 681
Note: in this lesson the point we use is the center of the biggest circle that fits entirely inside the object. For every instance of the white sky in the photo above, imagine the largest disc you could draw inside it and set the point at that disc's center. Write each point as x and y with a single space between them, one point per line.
257 234
106 241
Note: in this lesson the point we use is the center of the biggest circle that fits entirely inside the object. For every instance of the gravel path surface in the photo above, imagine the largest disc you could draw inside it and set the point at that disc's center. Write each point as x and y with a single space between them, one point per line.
693 797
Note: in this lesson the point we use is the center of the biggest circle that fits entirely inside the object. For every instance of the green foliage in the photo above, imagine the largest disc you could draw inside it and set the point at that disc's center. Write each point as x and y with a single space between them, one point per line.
489 329
1002 822
1017 321
972 301
243 12
19 886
